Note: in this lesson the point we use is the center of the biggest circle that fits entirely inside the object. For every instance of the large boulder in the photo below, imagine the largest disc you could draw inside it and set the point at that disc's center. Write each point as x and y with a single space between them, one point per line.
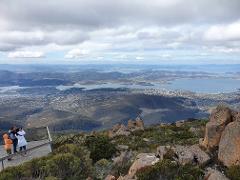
110 177
139 123
131 124
123 158
122 131
179 123
199 155
142 160
184 154
114 129
119 130
136 124
219 118
162 151
236 116
229 146
213 174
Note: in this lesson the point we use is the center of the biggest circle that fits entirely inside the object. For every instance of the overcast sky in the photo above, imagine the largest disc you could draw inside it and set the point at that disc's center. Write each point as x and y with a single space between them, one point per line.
127 31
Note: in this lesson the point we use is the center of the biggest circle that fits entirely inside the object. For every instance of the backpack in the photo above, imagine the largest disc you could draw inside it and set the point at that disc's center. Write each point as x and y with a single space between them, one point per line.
12 136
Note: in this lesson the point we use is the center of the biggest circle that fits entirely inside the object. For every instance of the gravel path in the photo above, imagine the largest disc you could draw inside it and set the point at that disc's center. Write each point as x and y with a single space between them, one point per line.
35 153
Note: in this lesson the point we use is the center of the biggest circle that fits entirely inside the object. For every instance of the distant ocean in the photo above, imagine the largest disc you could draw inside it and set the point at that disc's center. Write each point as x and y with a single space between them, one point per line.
227 76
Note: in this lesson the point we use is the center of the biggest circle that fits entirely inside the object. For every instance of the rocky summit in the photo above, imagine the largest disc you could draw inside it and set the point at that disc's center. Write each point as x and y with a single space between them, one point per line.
221 143
204 149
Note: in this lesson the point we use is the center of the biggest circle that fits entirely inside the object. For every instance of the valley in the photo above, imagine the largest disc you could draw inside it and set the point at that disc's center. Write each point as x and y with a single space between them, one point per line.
93 99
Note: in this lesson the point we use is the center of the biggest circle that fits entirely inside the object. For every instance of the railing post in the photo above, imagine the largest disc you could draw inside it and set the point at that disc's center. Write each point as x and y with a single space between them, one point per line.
2 165
49 137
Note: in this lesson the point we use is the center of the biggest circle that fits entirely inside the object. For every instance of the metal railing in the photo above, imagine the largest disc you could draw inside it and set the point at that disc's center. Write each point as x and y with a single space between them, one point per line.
49 142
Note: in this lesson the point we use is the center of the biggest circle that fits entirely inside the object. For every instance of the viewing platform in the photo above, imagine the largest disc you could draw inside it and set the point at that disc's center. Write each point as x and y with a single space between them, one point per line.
35 149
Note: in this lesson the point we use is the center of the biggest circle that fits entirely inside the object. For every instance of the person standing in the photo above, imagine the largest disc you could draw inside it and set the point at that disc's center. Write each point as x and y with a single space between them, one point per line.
7 145
22 143
12 135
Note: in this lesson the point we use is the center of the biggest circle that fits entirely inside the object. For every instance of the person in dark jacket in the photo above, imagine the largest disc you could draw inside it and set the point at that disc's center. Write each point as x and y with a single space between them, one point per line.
12 135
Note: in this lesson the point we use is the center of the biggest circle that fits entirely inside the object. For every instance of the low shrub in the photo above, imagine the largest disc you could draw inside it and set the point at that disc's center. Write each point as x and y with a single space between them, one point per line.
12 173
102 168
233 172
100 147
64 166
166 169
36 168
67 162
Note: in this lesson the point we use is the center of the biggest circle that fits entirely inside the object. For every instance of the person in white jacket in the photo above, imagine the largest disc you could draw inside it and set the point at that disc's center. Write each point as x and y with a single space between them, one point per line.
22 143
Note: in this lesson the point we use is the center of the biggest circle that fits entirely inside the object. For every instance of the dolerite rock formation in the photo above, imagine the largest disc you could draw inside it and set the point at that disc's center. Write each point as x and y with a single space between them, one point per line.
136 124
223 134
219 118
222 139
142 161
184 154
120 129
229 146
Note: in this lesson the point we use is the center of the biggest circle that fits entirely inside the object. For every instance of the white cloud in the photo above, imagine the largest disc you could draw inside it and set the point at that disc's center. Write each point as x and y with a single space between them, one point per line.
223 32
25 54
77 53
139 58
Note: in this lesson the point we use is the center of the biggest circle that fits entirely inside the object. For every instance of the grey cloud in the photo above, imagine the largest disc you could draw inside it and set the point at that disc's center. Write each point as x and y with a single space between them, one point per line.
67 37
161 34
94 14
7 47
126 25
11 40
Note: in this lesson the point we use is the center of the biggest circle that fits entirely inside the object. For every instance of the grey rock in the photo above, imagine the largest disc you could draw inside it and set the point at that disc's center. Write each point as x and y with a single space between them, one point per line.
229 146
213 174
